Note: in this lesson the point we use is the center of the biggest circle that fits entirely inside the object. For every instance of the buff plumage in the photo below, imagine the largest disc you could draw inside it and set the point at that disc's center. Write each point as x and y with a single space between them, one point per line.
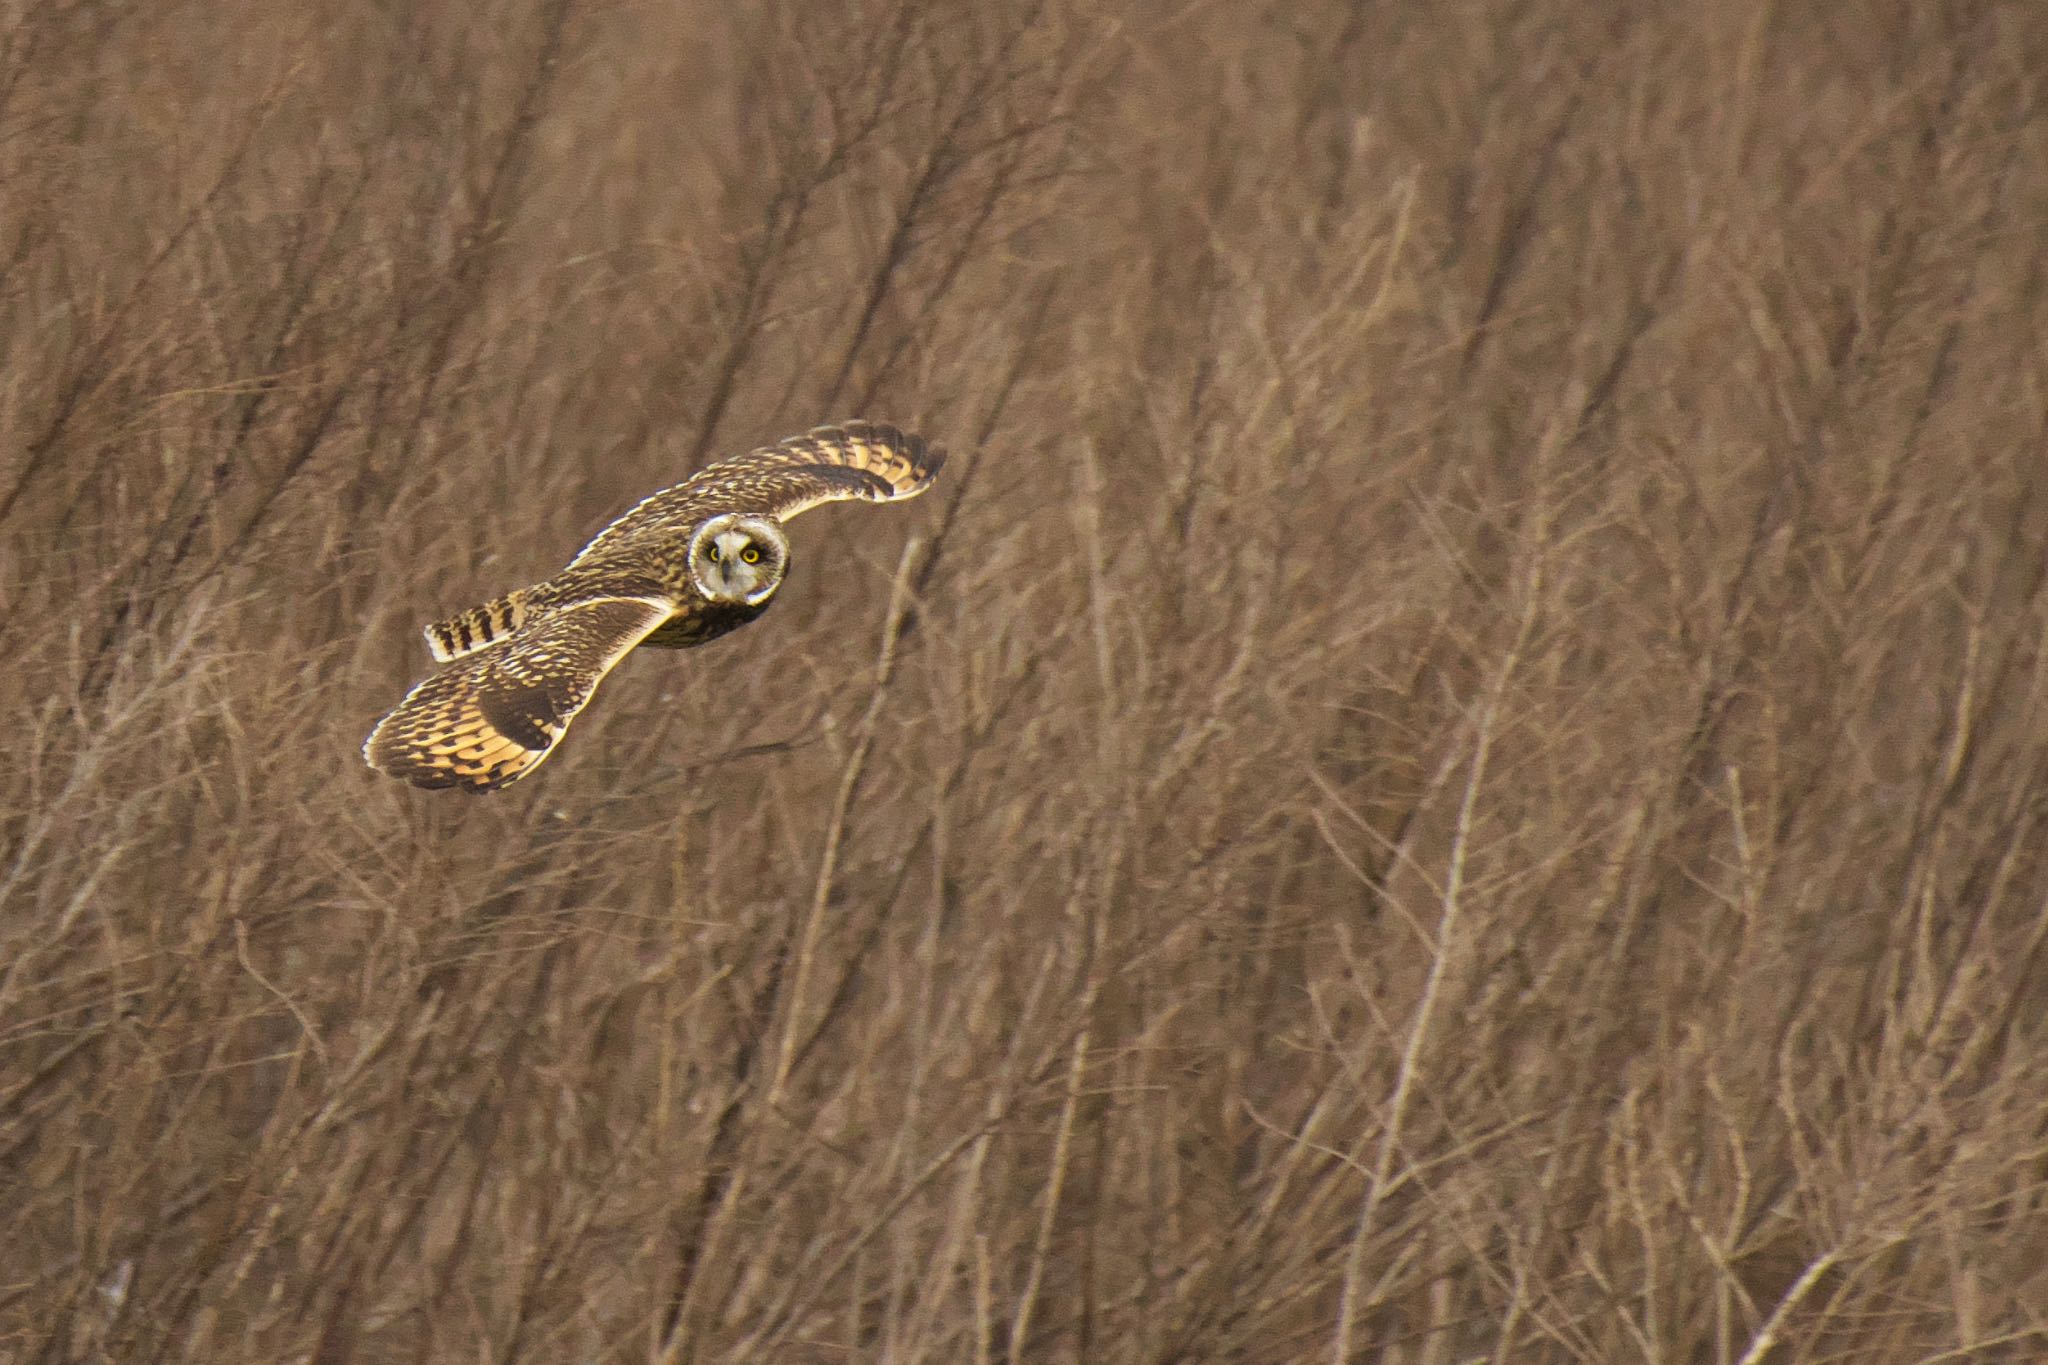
681 567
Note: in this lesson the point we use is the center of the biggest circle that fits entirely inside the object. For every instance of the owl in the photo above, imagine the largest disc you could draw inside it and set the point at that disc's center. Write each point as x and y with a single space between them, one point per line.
686 565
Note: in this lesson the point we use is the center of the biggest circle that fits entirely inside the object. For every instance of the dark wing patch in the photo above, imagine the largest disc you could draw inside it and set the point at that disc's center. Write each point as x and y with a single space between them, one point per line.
864 461
495 716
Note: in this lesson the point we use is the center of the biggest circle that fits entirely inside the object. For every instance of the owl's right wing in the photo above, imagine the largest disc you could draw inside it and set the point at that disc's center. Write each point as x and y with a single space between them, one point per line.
867 461
494 716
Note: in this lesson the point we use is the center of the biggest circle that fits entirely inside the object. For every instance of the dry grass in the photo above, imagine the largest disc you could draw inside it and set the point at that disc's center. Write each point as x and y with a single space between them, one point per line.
1454 773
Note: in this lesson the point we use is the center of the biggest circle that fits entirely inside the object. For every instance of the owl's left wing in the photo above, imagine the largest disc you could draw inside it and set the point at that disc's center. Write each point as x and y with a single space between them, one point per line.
864 461
494 716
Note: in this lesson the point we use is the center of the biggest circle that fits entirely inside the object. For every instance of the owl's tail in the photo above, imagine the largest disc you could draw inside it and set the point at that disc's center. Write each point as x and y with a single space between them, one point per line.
468 631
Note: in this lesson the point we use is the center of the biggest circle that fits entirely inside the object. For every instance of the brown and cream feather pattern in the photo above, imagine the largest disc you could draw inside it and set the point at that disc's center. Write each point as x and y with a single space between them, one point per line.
519 668
855 460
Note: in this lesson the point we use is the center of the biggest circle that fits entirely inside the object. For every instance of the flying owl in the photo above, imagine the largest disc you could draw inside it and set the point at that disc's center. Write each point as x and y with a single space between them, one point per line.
681 567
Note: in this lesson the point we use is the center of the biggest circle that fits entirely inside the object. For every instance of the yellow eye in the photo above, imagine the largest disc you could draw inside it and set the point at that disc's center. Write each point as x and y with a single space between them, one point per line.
751 554
713 554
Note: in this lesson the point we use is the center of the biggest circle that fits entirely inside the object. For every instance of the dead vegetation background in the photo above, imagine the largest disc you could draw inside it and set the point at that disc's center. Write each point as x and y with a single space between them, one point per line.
1454 772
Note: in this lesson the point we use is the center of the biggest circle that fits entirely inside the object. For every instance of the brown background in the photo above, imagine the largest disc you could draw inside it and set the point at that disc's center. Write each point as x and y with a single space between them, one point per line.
1459 775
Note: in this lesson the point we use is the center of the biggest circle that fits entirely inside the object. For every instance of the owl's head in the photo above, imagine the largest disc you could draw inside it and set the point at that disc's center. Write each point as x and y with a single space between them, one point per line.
738 559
